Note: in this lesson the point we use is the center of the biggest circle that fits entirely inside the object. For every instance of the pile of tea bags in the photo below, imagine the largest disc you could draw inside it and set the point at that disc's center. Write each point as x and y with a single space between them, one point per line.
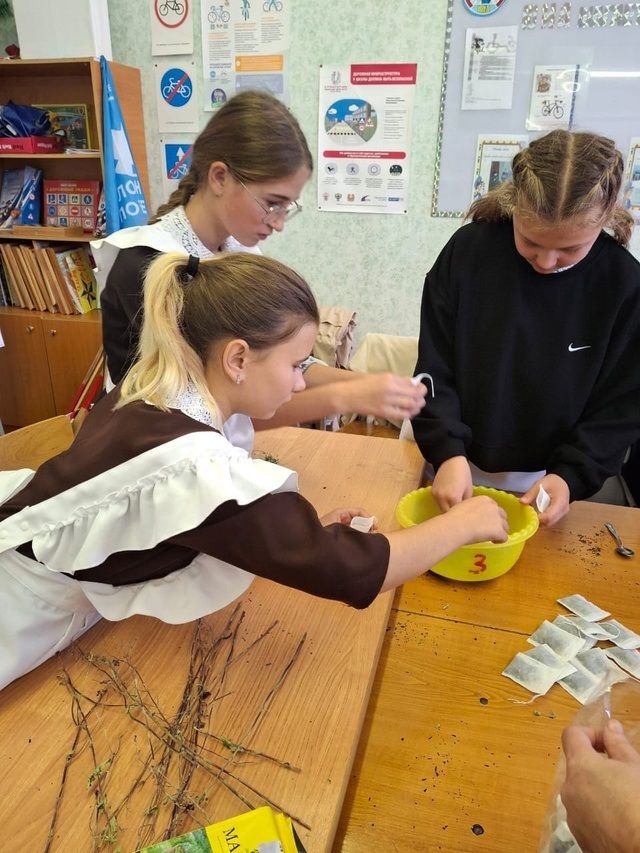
565 652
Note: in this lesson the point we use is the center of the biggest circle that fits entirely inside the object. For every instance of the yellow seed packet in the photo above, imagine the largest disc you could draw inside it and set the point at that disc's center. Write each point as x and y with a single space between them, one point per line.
259 831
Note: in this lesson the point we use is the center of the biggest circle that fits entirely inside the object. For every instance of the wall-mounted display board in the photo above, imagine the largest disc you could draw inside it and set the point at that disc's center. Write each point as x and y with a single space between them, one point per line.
513 68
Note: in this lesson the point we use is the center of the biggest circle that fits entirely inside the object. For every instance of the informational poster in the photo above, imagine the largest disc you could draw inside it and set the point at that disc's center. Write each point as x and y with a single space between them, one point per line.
175 98
553 96
631 191
171 27
489 68
245 45
493 160
364 134
176 161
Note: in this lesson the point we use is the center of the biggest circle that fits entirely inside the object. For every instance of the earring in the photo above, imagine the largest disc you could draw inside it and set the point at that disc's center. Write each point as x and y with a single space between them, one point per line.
238 379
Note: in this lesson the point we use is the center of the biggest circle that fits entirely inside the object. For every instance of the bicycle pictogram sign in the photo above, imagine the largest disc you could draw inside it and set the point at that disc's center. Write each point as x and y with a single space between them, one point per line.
171 13
176 87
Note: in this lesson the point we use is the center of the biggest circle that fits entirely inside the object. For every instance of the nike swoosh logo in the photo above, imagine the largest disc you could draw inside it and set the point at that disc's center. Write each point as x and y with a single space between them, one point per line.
571 347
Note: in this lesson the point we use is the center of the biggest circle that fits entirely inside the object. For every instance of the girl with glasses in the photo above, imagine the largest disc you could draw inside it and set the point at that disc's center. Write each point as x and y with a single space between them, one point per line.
248 168
95 532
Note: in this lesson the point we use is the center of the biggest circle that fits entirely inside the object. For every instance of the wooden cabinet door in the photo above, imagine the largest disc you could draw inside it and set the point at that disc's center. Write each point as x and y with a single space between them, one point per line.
25 386
71 345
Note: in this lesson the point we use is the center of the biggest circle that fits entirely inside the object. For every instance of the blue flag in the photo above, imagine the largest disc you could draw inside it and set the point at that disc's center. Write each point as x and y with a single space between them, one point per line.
124 200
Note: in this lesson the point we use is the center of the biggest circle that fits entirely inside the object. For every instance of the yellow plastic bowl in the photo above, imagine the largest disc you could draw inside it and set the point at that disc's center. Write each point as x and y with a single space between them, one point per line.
481 561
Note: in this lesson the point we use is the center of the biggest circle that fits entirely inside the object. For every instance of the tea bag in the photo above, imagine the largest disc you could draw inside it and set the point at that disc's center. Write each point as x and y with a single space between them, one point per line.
587 628
581 684
594 661
542 500
363 523
628 659
621 636
562 840
563 643
567 624
579 605
545 655
530 673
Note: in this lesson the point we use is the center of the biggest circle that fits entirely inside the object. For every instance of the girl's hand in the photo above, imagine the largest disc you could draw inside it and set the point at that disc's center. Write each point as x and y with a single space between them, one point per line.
481 518
558 491
383 395
343 516
452 483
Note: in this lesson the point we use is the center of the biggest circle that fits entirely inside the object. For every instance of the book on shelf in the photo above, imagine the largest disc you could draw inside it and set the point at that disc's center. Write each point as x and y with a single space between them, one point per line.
81 271
77 272
48 277
20 197
71 122
23 300
7 297
71 203
31 276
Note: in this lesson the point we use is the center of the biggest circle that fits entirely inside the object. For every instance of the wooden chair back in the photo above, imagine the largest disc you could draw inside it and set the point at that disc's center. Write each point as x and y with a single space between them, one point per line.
32 445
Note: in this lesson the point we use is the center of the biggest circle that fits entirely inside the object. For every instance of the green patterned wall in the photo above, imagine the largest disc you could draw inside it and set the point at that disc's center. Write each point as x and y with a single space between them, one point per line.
373 263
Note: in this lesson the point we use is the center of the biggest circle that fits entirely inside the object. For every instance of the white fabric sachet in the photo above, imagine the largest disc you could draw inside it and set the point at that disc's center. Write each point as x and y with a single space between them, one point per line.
581 684
545 655
628 659
542 500
363 523
596 630
530 673
563 643
579 605
620 635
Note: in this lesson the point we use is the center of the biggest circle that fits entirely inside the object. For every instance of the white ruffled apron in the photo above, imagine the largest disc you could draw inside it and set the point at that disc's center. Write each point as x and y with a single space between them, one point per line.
134 506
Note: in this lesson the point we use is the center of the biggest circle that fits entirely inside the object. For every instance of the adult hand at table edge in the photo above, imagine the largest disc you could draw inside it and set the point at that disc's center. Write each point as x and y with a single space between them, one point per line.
601 788
452 482
558 492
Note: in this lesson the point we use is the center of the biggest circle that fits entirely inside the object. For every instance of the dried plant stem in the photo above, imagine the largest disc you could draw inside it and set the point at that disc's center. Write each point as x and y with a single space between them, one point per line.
182 738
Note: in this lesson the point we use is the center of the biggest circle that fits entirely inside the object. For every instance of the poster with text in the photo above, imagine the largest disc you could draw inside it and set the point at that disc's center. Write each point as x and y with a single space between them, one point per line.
175 97
494 154
552 96
176 161
171 27
631 189
245 45
489 68
364 135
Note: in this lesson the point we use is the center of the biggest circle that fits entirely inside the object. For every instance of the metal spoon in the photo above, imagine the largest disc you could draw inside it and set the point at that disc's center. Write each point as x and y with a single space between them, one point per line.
621 549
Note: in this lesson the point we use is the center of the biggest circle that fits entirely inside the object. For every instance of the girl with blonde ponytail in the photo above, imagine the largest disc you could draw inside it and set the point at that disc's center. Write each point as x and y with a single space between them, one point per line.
531 331
248 168
154 511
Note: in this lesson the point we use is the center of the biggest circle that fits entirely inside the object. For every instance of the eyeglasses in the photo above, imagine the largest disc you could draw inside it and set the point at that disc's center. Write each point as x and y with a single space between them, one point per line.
274 211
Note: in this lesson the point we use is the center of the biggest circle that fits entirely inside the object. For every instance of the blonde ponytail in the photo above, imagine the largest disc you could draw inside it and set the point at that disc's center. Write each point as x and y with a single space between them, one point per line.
166 362
245 296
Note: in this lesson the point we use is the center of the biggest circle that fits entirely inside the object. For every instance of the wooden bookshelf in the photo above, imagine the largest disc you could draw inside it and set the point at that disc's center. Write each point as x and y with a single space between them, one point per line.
45 354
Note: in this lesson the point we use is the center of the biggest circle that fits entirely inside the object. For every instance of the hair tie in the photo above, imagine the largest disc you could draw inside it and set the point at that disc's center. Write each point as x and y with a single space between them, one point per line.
191 268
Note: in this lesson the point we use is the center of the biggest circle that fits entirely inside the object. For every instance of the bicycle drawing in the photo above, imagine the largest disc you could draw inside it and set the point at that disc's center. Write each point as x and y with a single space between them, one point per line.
553 108
174 87
171 6
218 13
272 6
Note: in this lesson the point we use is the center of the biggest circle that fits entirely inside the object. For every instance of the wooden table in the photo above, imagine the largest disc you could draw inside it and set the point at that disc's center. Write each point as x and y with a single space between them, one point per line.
306 710
444 747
